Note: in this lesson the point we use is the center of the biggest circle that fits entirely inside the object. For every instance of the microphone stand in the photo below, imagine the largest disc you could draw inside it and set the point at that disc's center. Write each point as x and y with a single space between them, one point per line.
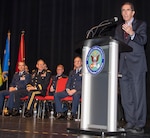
96 27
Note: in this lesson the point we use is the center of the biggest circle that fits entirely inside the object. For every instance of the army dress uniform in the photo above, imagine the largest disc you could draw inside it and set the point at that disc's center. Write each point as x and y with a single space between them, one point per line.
40 81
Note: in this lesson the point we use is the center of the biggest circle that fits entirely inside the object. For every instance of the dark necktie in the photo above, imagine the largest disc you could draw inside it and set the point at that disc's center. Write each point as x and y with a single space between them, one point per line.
126 35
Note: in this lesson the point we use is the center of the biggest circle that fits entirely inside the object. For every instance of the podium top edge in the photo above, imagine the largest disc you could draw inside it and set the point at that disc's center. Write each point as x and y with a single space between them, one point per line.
100 38
105 40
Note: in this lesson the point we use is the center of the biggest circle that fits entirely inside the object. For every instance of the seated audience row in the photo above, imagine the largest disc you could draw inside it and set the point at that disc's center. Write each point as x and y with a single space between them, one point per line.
23 84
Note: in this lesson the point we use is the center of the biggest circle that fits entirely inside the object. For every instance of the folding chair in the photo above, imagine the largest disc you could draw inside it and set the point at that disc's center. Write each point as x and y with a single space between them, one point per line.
51 100
40 100
41 106
60 86
24 99
69 100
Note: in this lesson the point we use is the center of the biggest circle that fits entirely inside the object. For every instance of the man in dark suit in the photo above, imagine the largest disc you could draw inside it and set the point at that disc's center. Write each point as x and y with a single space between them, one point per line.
38 85
73 88
133 68
18 84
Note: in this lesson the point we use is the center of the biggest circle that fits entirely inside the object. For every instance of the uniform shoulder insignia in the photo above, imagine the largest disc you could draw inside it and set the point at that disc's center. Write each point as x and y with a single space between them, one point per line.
43 71
28 85
65 76
48 70
33 70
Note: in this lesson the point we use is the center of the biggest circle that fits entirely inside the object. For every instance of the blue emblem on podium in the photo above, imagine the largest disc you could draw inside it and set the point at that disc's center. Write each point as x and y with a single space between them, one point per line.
95 60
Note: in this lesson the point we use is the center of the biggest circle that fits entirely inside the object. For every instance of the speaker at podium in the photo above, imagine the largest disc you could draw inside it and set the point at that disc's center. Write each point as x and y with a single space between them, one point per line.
100 83
100 80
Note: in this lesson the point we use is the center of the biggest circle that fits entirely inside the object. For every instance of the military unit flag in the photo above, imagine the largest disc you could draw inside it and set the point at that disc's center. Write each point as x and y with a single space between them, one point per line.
6 59
21 53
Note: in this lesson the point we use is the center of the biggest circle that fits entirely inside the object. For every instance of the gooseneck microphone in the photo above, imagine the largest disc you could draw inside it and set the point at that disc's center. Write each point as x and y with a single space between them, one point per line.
103 24
113 20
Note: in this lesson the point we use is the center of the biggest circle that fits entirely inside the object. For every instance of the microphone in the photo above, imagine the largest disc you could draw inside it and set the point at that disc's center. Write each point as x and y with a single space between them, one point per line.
104 23
113 20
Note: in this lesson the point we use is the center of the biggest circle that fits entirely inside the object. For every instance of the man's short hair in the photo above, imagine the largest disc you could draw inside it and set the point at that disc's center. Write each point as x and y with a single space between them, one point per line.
21 62
60 65
128 3
41 60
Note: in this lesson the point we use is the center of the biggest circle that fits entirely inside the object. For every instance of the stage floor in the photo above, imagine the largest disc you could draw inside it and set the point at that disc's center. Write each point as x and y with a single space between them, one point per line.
18 127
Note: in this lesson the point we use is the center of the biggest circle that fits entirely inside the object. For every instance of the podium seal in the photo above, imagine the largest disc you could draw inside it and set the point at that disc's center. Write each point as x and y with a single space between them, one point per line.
95 60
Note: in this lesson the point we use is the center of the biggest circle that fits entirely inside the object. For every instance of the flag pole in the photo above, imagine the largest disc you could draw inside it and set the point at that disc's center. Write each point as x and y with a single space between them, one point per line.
9 59
23 32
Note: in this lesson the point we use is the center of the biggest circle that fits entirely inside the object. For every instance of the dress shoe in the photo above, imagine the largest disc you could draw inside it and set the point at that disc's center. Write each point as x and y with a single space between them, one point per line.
128 127
137 130
28 113
71 117
60 116
7 112
15 112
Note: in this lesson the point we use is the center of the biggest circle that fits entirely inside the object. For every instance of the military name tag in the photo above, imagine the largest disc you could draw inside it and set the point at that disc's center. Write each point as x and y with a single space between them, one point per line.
22 78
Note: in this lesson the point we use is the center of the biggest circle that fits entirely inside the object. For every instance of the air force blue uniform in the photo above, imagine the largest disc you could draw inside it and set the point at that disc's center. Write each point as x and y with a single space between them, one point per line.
74 82
19 82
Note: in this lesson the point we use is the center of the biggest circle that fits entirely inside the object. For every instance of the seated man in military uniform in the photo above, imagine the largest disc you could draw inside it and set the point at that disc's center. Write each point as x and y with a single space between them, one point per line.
73 88
18 84
60 74
53 87
38 85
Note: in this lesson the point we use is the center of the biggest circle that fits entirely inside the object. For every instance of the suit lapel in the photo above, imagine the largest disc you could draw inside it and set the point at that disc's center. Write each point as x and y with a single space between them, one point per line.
134 24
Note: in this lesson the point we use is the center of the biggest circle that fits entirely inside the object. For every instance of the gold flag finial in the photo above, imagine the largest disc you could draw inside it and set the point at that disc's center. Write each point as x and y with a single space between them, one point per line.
22 31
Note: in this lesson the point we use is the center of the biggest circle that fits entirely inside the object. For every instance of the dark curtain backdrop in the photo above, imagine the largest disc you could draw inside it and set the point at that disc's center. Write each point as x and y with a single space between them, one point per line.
55 28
